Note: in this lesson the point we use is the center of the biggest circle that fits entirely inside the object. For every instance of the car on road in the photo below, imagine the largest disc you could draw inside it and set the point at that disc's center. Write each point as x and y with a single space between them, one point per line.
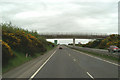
113 49
60 47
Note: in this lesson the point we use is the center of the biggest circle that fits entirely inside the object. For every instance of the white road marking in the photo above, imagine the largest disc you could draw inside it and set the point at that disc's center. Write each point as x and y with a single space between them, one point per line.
98 58
69 55
0 76
74 59
90 75
42 66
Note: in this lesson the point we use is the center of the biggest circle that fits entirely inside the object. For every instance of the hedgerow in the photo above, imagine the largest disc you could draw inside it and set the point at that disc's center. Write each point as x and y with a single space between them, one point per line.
20 40
7 53
113 39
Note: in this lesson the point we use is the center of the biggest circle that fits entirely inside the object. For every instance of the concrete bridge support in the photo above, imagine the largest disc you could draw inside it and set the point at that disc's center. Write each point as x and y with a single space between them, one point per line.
73 42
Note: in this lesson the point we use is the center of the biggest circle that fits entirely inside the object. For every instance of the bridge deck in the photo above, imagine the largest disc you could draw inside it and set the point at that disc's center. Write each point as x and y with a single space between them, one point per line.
77 36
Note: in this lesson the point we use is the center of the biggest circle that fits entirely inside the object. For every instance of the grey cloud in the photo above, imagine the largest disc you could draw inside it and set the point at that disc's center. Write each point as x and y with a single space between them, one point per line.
66 21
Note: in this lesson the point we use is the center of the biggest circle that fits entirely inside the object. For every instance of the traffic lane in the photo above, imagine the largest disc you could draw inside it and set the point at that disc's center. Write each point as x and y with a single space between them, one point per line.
98 68
61 66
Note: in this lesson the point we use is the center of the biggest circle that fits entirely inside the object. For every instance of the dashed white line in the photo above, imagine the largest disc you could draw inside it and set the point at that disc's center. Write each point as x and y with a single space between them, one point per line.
42 66
69 55
74 59
90 75
98 58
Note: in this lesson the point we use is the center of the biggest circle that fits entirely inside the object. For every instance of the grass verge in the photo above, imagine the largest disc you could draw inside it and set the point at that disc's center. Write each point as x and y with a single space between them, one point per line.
99 55
21 59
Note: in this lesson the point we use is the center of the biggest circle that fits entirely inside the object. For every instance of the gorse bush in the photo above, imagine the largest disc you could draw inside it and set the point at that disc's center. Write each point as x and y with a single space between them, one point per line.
20 40
11 39
7 53
113 39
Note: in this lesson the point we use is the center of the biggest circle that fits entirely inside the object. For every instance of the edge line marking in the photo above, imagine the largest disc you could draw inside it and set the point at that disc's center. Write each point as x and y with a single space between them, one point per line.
42 66
97 58
90 75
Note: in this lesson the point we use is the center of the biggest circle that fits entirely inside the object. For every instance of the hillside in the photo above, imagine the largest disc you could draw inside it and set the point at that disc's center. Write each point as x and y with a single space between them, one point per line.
113 39
19 46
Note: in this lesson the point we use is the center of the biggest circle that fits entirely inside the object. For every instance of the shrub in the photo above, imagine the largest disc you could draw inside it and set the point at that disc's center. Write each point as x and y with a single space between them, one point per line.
7 53
11 39
24 41
113 39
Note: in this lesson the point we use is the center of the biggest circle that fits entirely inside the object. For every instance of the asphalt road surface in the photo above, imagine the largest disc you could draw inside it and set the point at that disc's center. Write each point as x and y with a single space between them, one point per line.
68 63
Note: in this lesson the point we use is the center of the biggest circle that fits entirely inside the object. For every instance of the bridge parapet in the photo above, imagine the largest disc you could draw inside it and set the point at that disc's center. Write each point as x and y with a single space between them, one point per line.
74 35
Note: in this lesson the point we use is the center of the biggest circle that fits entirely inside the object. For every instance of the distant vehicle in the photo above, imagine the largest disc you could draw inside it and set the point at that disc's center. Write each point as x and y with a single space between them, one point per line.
113 49
60 47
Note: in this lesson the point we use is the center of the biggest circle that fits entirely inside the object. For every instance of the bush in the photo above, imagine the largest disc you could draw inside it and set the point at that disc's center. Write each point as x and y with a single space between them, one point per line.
18 42
113 39
50 44
11 39
23 41
7 53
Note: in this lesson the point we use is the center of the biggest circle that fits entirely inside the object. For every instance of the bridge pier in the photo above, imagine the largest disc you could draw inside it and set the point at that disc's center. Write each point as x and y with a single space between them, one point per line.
73 42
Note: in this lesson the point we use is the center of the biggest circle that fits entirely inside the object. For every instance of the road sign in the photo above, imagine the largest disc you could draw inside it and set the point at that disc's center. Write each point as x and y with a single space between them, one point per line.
55 42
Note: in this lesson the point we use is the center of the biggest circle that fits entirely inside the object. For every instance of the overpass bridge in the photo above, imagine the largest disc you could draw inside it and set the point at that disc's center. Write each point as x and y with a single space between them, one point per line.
74 36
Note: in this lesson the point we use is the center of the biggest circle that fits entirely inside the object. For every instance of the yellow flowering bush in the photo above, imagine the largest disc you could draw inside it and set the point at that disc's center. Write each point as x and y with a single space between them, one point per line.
113 39
23 41
6 53
20 42
11 39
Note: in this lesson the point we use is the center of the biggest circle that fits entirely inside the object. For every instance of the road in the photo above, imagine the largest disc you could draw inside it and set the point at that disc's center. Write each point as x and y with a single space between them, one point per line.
68 63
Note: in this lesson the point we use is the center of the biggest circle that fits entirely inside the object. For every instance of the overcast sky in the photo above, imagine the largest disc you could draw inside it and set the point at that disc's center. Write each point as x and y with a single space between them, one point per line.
96 16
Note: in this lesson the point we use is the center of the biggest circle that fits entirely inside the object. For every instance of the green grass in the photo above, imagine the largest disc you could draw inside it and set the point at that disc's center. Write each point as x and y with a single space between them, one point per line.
92 47
21 59
18 60
99 55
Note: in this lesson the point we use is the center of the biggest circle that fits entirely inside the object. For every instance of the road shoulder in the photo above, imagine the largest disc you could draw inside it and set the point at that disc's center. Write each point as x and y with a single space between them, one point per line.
28 69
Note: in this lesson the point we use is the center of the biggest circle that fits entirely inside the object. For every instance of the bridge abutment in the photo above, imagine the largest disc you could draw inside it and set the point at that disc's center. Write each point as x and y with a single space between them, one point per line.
73 42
